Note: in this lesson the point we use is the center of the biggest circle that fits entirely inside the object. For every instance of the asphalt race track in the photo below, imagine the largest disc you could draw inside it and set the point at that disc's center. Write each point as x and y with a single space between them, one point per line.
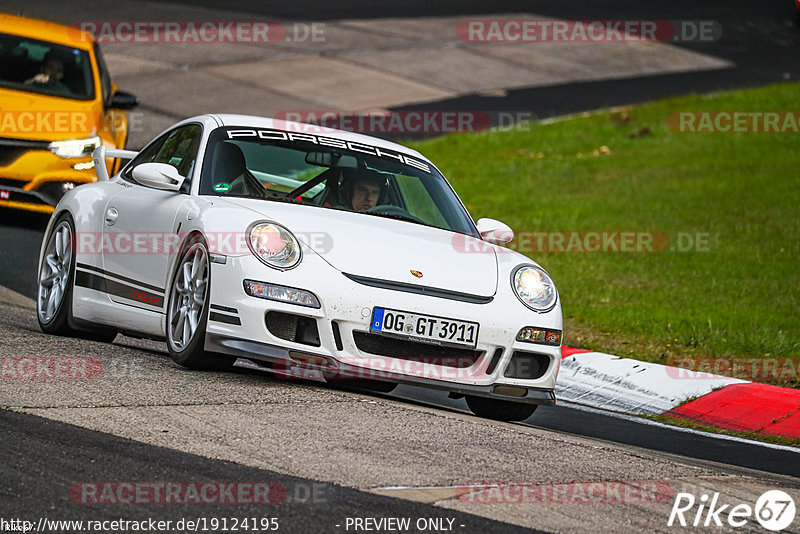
333 455
139 419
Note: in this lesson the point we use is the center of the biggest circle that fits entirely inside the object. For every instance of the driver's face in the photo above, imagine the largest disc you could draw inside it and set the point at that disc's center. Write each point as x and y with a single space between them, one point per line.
365 195
54 68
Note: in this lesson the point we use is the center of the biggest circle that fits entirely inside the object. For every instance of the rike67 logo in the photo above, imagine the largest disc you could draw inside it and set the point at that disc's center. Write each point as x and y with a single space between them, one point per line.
774 510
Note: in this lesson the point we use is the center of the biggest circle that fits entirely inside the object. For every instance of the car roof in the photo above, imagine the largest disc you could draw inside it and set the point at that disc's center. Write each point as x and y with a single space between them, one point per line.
298 127
46 31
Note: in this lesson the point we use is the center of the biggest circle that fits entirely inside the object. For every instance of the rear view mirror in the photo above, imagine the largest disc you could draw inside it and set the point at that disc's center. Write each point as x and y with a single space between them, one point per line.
493 231
331 159
158 176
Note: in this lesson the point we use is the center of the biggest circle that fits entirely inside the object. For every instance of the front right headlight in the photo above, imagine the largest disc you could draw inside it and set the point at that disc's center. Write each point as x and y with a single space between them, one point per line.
534 288
274 245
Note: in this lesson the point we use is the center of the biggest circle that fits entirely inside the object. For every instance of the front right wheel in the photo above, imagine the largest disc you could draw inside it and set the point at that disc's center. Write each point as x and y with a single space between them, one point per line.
499 410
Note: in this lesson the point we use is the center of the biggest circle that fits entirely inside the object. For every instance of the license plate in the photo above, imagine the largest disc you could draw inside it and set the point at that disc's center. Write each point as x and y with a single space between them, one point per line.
426 328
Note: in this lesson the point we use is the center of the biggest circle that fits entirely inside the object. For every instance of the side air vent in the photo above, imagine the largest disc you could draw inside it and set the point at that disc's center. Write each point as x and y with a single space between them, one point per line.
527 365
293 327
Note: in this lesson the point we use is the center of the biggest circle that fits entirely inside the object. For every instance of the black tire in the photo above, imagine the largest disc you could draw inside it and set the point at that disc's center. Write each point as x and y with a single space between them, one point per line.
55 321
60 322
499 410
192 354
365 384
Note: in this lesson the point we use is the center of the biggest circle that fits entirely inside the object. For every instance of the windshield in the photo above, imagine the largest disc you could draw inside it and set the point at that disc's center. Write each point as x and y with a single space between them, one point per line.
47 68
315 170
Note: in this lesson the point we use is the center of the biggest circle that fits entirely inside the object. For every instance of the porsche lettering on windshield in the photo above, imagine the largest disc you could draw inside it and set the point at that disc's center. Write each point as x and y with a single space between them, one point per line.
279 135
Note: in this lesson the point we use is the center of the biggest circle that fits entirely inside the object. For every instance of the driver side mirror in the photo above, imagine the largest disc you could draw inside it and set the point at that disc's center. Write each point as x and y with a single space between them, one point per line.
493 231
158 176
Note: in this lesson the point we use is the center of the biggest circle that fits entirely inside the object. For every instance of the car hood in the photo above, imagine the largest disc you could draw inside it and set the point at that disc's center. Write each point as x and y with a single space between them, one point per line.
385 249
39 117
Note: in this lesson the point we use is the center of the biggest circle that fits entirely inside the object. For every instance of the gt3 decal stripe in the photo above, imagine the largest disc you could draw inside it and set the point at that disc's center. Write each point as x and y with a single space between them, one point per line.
220 318
98 283
120 277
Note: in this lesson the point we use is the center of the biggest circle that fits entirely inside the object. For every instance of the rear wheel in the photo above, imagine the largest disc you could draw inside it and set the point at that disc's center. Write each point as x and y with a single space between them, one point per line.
499 410
56 283
55 280
187 312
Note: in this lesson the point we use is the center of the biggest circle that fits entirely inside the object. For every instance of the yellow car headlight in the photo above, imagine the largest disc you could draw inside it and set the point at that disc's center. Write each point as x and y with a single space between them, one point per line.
75 148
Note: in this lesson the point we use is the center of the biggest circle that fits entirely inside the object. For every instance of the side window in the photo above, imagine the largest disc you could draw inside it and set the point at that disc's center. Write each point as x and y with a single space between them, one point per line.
177 148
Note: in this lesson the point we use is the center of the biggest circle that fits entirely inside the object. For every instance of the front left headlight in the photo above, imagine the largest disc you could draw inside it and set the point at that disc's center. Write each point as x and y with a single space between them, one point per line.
274 245
74 148
534 288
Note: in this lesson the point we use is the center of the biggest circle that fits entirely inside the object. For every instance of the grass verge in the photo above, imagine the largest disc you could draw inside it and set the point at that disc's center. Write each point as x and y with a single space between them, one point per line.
731 200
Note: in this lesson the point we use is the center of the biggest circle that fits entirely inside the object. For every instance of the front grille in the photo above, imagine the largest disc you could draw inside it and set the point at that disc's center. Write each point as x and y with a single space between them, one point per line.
415 351
527 365
11 149
10 182
9 154
292 327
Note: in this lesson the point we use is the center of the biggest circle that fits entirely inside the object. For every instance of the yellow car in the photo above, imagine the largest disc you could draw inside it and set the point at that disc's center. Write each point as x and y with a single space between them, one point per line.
57 104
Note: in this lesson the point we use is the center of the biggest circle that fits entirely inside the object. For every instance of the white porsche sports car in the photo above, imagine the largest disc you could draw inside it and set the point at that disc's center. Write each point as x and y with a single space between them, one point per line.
308 250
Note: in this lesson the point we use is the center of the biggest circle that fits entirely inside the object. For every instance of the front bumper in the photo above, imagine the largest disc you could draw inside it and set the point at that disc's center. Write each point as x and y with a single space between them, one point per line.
278 354
237 326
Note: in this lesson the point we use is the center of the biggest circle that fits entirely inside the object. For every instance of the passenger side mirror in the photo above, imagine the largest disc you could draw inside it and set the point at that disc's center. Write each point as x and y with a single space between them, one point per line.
493 231
123 100
158 176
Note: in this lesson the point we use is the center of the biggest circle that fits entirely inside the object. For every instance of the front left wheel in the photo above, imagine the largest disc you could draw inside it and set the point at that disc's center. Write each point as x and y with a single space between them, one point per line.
187 311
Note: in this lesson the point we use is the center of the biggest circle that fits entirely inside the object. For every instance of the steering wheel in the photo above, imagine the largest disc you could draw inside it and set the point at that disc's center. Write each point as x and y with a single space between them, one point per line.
395 211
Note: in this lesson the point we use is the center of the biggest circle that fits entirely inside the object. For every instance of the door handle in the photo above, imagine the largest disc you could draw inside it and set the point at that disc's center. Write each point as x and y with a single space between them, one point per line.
111 216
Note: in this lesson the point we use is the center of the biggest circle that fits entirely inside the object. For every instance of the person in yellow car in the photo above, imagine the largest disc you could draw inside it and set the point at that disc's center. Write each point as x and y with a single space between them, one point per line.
51 75
57 104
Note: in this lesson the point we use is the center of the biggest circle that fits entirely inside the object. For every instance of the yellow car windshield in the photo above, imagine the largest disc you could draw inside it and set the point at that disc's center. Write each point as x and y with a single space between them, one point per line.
47 68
